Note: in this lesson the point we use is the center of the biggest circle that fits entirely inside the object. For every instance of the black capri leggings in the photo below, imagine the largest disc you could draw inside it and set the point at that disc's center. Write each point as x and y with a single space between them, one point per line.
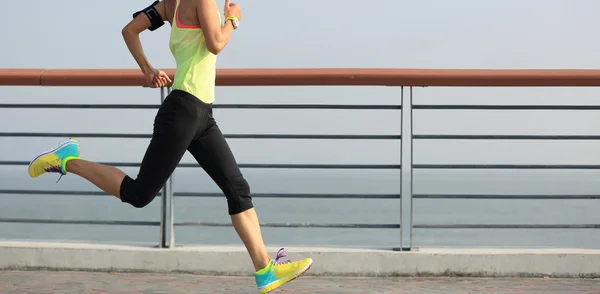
182 123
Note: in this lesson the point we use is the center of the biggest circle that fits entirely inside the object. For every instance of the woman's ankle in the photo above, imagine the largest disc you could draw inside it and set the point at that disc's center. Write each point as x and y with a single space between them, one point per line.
263 267
71 165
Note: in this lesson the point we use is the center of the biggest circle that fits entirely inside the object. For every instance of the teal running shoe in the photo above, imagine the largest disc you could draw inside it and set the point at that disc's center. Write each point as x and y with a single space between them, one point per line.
278 273
55 160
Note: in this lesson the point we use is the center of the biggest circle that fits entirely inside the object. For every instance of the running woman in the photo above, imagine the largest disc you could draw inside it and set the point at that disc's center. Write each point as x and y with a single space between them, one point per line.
183 123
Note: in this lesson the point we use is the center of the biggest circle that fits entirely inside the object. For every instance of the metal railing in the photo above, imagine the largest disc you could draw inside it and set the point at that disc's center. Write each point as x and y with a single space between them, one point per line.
324 77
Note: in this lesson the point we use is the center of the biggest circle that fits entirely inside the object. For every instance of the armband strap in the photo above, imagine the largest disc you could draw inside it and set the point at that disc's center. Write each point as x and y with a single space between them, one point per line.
153 15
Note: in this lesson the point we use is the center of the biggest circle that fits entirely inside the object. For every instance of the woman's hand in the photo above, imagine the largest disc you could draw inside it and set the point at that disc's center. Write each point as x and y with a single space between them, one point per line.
157 78
232 9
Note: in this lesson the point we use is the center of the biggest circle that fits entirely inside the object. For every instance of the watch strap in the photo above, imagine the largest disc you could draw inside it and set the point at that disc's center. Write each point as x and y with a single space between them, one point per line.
234 20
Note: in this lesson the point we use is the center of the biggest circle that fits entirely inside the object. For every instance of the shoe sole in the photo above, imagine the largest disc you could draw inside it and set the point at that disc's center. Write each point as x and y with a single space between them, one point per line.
295 277
62 144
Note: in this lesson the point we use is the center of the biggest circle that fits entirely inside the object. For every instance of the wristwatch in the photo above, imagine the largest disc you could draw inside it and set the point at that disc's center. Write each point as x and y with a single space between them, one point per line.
234 21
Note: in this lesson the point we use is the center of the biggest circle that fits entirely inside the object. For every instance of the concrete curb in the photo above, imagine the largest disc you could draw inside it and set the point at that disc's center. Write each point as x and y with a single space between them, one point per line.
223 260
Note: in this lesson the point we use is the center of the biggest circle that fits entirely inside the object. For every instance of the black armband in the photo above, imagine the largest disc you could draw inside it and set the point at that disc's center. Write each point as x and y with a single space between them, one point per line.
153 15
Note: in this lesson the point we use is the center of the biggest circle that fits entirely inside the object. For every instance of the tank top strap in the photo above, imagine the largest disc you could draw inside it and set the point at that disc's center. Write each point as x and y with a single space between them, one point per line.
176 9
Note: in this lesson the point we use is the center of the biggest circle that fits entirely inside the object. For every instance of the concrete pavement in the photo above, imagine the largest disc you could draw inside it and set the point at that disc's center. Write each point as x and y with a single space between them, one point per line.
227 260
151 283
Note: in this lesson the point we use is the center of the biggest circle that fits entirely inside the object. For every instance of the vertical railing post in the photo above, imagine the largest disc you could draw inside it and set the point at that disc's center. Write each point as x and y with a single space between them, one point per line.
166 204
401 162
162 242
171 202
406 173
412 157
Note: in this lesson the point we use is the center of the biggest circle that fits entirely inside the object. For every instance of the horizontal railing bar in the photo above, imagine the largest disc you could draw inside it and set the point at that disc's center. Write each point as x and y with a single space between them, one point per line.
317 77
507 107
209 195
228 136
198 224
319 196
251 165
505 166
80 106
216 106
507 137
501 196
505 226
325 137
50 192
290 225
297 195
76 135
309 106
306 225
78 222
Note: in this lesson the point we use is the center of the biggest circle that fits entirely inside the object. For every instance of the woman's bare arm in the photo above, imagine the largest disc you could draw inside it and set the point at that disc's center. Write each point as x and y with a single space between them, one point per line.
131 35
216 35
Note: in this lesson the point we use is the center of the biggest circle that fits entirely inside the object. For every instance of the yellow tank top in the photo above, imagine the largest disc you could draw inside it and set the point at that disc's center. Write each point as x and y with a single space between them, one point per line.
196 66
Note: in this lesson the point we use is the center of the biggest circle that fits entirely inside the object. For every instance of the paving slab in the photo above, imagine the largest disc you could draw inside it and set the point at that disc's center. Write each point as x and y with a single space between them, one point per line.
154 283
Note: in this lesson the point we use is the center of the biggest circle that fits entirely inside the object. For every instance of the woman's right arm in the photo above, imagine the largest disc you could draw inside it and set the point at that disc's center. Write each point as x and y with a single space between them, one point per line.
131 32
215 35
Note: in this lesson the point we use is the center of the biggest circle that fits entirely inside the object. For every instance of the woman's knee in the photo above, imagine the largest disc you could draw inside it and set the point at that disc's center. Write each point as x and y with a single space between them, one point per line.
238 195
134 195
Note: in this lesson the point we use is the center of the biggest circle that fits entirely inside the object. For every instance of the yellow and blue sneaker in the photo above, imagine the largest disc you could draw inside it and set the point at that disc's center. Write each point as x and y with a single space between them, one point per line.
55 160
278 272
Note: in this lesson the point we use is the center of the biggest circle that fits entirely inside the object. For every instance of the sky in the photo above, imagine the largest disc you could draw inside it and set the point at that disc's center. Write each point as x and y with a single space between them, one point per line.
311 33
491 34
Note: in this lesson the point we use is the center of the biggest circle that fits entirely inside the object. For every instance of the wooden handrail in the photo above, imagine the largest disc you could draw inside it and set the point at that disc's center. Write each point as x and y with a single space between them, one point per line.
316 77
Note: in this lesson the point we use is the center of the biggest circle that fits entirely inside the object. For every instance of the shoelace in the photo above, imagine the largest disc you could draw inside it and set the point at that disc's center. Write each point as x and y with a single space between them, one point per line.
281 254
54 169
